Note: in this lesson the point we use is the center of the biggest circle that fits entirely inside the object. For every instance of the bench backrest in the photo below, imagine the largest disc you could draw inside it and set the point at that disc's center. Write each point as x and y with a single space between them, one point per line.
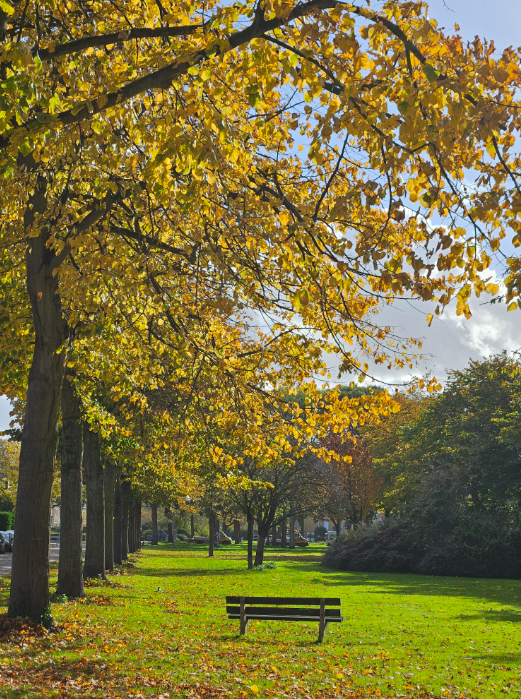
287 601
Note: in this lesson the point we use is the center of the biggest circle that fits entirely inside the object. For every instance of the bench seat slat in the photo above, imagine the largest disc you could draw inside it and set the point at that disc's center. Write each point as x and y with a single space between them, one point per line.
275 617
288 601
281 611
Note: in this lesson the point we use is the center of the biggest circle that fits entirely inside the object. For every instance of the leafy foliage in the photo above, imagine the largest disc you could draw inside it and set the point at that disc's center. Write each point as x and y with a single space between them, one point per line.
456 488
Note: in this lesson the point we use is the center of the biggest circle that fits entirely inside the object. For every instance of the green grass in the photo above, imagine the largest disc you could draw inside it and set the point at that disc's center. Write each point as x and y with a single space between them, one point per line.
161 631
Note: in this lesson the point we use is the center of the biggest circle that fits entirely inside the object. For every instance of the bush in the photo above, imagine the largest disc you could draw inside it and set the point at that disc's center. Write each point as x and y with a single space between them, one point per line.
6 521
464 542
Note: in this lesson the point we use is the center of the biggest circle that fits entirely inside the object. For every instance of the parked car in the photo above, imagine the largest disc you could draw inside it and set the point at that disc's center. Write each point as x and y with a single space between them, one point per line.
300 540
200 540
4 542
330 537
224 539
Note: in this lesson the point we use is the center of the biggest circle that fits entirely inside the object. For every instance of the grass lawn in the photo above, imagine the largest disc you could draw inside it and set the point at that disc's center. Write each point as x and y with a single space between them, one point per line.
160 630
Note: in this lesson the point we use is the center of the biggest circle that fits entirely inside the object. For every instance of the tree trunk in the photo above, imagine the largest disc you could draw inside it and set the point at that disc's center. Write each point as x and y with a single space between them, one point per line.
192 527
118 558
137 524
110 482
70 567
236 531
170 530
250 541
29 595
131 526
338 524
283 526
274 534
154 525
125 516
211 522
95 547
291 533
259 553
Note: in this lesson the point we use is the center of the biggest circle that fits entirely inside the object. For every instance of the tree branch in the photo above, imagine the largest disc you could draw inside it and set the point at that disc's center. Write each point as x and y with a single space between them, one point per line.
87 42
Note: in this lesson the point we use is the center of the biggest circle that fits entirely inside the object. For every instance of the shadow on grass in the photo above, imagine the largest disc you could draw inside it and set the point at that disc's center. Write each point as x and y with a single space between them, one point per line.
500 658
493 615
188 573
502 591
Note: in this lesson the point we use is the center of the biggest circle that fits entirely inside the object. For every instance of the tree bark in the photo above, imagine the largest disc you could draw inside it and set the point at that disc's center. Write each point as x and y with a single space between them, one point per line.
169 525
283 526
250 541
70 567
137 524
154 525
110 482
192 526
236 531
259 553
291 532
125 516
117 533
29 595
94 480
211 530
131 526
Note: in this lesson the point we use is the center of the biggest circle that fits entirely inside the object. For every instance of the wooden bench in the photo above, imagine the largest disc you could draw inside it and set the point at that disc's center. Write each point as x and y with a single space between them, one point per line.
294 609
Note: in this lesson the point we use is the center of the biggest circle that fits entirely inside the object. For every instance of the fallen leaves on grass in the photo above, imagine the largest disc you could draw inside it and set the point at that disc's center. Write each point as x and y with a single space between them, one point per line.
19 629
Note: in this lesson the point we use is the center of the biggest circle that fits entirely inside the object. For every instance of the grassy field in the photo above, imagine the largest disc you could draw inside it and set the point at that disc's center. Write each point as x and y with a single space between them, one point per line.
159 630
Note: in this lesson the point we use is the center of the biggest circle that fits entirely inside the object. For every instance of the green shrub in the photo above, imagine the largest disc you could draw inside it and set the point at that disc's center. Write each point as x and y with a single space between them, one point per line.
6 521
466 543
265 566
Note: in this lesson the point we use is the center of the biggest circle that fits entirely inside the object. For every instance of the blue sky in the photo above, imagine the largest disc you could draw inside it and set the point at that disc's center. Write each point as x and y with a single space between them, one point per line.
451 341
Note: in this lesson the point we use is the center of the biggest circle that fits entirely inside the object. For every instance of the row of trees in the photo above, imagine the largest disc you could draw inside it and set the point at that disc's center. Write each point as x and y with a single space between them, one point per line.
201 202
451 480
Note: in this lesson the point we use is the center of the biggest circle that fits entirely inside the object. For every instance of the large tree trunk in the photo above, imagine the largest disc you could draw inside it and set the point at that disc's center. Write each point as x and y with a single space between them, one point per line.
274 534
110 482
125 518
118 558
95 548
291 532
70 567
236 531
29 596
192 526
154 525
250 541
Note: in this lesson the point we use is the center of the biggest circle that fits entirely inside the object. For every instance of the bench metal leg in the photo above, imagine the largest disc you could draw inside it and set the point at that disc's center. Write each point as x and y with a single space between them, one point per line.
322 624
244 621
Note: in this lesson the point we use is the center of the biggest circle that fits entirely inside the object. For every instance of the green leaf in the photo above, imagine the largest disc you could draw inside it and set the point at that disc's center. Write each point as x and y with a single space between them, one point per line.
253 99
431 73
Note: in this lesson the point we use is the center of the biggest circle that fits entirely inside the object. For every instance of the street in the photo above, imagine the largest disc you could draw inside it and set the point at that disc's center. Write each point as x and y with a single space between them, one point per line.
6 558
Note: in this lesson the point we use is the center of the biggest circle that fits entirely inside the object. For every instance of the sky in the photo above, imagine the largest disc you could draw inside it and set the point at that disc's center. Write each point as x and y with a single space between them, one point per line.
451 340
